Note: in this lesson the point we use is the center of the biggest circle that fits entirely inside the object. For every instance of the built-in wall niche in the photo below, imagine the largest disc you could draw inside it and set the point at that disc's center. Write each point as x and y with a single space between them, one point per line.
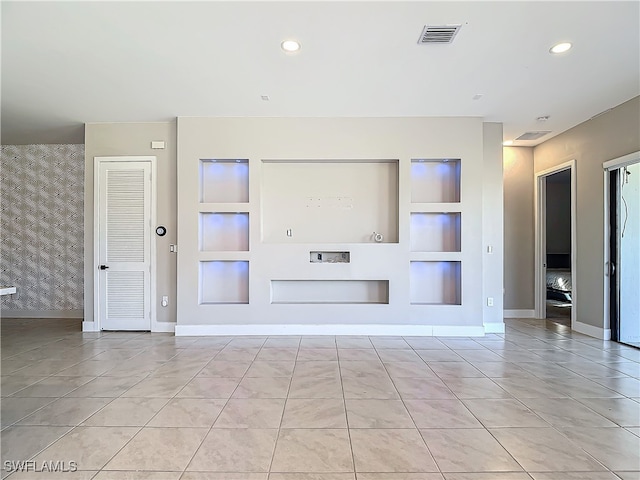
224 181
435 180
435 283
435 232
224 232
330 291
329 201
224 282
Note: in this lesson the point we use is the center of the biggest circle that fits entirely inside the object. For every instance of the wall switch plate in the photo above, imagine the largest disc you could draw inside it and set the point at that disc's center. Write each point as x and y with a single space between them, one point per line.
165 300
173 248
489 301
157 145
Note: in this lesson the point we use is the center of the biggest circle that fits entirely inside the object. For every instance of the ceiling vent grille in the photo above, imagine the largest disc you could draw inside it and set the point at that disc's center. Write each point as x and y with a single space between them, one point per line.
438 34
533 135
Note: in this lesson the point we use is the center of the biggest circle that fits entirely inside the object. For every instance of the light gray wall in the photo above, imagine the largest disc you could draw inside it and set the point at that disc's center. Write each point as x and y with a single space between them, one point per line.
122 139
518 228
608 136
41 190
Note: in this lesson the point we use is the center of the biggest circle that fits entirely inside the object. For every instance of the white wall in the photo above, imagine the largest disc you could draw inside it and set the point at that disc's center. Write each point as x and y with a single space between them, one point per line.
402 139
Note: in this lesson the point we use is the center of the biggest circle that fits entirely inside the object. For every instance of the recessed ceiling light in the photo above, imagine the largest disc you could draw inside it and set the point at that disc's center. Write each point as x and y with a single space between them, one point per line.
265 97
560 47
507 143
477 96
290 46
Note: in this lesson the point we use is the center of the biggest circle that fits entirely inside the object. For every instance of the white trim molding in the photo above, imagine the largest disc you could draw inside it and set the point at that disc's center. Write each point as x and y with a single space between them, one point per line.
494 327
163 327
90 327
590 330
528 313
332 329
6 313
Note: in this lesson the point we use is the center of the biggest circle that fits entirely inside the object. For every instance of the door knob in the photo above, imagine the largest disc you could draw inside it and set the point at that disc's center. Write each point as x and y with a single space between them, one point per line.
103 267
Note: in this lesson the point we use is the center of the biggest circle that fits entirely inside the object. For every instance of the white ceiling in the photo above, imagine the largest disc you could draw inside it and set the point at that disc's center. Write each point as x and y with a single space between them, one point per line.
67 63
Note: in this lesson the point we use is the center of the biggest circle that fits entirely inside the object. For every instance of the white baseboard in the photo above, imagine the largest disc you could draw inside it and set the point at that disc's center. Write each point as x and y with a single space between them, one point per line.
337 329
597 332
6 313
520 313
163 327
89 327
494 327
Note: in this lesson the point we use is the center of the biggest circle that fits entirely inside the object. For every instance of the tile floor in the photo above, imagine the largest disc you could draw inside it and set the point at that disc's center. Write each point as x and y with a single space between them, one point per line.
538 402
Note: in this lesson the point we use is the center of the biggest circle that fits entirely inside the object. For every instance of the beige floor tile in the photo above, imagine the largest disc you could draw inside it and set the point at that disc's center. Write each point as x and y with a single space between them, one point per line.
623 411
441 414
46 475
369 386
358 355
544 450
137 475
238 354
566 412
87 368
270 369
276 387
315 387
455 370
90 447
223 476
353 342
162 449
503 412
188 413
209 387
23 442
318 342
66 411
482 453
126 412
489 476
615 448
440 355
433 388
391 343
312 476
251 413
634 475
53 387
314 413
285 354
306 354
158 387
353 369
107 387
577 476
389 355
235 450
312 450
282 342
14 383
469 388
377 414
390 450
15 408
317 369
219 368
400 476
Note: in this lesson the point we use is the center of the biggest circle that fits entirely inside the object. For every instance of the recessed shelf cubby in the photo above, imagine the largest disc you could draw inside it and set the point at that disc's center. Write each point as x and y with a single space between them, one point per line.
224 232
224 282
224 181
435 180
435 283
435 232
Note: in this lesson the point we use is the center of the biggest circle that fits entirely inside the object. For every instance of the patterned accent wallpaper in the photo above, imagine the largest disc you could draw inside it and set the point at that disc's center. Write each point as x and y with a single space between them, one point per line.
42 226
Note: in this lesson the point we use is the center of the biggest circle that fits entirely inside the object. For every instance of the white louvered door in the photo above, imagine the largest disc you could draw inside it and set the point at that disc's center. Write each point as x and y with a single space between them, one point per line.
124 245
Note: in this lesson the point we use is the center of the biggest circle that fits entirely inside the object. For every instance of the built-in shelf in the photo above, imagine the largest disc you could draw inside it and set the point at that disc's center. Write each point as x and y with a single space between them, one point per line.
224 181
330 291
224 232
435 180
435 232
435 283
224 282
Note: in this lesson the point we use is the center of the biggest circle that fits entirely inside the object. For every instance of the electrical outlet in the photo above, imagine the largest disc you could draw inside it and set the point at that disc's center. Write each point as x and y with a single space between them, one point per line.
489 301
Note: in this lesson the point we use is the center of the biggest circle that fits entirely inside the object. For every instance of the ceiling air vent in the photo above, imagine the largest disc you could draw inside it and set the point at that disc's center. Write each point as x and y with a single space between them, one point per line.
438 34
533 135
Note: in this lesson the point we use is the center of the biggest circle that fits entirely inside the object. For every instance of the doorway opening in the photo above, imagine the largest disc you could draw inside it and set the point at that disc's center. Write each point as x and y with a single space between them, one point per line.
556 245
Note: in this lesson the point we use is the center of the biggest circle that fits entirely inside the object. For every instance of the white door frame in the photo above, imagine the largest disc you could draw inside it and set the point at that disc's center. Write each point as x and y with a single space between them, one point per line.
96 236
608 167
540 202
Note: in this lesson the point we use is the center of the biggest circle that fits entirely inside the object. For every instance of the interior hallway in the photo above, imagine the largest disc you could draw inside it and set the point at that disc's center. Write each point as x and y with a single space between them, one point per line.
538 402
